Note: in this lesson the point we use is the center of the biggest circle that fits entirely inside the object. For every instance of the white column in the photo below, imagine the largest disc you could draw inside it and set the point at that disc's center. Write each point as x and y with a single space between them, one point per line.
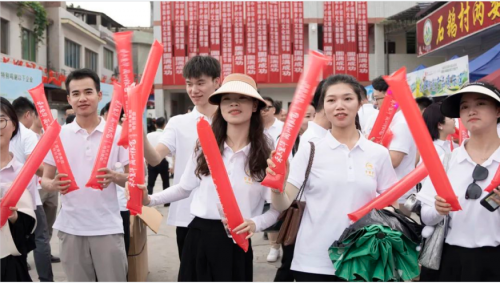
160 103
313 36
379 51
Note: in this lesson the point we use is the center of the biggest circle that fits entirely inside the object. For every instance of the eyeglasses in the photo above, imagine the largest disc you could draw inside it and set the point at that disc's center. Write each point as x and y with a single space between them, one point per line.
3 123
267 108
474 191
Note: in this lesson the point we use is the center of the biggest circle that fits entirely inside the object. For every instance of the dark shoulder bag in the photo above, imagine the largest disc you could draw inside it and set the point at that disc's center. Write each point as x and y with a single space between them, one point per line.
293 215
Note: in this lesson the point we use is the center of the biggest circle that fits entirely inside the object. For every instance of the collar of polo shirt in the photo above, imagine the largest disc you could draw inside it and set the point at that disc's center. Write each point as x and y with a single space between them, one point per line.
245 149
462 155
334 143
75 127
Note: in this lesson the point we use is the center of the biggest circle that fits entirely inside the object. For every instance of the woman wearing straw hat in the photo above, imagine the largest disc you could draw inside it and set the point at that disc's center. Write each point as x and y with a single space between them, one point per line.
209 254
472 244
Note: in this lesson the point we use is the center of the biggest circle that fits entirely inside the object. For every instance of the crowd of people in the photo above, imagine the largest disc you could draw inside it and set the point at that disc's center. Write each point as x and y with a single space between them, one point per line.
333 162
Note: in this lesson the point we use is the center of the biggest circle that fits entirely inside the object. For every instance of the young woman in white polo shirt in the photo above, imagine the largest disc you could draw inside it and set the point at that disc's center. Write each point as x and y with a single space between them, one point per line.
440 127
209 254
347 172
472 244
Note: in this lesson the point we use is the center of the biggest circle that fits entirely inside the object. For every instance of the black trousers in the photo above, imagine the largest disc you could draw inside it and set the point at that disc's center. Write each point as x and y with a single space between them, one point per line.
284 274
181 233
153 172
313 277
126 229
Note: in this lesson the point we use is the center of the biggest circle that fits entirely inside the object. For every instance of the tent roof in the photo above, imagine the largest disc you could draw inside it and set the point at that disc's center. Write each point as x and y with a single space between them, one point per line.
493 78
485 64
420 67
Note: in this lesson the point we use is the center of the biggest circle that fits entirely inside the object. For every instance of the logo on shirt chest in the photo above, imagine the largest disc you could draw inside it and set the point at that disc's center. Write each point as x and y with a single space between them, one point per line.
248 180
369 169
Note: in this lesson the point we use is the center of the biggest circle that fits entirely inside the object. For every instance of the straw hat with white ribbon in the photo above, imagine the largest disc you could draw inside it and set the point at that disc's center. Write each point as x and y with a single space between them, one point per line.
240 84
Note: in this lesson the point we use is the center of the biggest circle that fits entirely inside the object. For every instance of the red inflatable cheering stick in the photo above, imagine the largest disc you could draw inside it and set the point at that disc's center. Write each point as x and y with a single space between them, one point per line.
221 181
150 69
101 161
399 86
393 193
387 111
301 99
135 151
462 132
387 139
124 52
28 171
62 164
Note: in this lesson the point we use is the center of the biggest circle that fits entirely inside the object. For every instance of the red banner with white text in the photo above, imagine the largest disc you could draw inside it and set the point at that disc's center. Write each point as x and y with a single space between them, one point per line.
298 39
215 30
351 39
340 37
251 52
204 24
286 41
363 67
192 29
262 64
227 38
274 43
179 41
239 38
328 37
166 39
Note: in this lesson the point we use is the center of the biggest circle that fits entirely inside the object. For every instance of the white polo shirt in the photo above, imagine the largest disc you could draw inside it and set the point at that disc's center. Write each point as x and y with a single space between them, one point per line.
180 136
22 145
474 226
313 131
341 181
275 130
87 211
366 112
9 173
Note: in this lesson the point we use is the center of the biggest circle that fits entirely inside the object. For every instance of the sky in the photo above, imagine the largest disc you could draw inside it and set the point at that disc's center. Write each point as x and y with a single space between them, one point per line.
129 14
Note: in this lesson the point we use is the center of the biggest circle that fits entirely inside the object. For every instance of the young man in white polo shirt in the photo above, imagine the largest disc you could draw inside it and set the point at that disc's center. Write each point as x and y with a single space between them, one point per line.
272 126
202 74
89 223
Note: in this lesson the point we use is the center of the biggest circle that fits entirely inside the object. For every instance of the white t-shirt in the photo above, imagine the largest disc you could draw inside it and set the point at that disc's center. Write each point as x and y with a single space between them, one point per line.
275 130
10 172
334 190
22 145
313 131
180 136
474 226
87 211
366 112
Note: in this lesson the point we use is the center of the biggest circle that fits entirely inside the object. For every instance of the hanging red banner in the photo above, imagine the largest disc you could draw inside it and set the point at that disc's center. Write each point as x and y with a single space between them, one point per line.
227 39
166 39
192 29
251 60
215 30
298 40
351 39
204 18
274 43
363 69
328 37
286 42
238 42
262 72
179 41
339 47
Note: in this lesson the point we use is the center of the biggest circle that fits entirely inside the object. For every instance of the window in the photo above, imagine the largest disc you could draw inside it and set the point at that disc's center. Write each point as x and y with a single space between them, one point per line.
71 54
91 60
391 45
411 42
108 59
4 32
28 45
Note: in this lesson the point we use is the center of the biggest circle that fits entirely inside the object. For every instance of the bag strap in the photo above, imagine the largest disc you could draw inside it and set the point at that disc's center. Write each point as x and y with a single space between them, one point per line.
308 171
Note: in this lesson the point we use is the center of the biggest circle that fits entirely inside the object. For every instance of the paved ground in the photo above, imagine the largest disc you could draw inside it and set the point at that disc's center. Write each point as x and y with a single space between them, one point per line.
163 255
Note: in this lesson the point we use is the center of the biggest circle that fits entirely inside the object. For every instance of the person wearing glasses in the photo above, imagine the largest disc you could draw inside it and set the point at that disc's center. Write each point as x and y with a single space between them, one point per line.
472 244
272 126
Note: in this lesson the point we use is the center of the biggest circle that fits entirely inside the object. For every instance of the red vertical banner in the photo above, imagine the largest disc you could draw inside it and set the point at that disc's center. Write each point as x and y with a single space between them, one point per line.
262 64
328 37
166 39
339 45
251 58
215 30
227 38
274 43
204 21
239 38
286 41
192 29
363 67
179 41
351 39
298 39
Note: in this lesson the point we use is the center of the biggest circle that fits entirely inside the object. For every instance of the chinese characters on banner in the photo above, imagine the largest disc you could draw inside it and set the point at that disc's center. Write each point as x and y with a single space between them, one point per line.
227 39
262 74
363 67
298 39
166 38
454 21
204 18
251 17
239 43
215 30
328 37
179 41
274 43
286 41
339 24
351 39
192 28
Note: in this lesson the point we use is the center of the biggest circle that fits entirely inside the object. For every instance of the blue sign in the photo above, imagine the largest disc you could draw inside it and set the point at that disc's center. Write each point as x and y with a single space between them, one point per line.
15 81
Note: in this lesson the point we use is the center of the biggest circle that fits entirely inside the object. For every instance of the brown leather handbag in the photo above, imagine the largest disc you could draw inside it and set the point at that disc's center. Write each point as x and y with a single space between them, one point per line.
293 215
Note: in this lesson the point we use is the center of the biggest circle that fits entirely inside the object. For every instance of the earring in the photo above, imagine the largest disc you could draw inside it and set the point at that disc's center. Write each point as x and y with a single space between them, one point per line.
440 128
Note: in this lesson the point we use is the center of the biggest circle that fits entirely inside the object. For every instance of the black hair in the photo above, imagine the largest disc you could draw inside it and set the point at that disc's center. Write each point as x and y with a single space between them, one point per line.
201 65
160 122
379 84
278 105
82 74
423 102
432 117
190 108
8 110
105 109
70 118
364 95
343 79
267 98
317 102
68 107
22 105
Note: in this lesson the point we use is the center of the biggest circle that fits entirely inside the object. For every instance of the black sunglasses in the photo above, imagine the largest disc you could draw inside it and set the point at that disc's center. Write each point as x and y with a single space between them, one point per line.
474 191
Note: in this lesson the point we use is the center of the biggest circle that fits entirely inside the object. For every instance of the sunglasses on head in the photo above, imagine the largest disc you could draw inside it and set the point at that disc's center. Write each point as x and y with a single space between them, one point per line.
474 191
